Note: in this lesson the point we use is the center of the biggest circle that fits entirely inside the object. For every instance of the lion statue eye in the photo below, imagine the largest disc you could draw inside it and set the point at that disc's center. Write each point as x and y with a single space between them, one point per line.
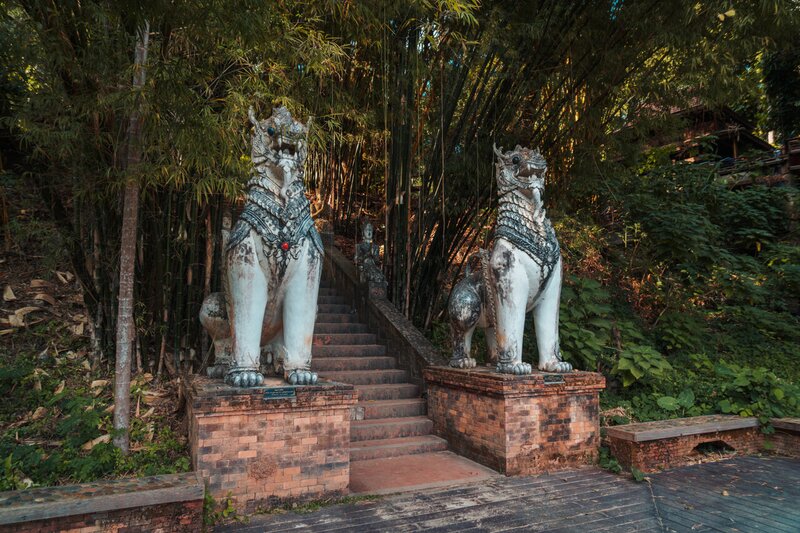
270 131
516 159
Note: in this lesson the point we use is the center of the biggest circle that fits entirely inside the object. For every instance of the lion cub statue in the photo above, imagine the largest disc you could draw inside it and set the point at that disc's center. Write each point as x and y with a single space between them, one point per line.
273 264
522 272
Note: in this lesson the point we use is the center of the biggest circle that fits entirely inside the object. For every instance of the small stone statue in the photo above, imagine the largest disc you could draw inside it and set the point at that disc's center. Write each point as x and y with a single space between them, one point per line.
522 272
368 256
273 263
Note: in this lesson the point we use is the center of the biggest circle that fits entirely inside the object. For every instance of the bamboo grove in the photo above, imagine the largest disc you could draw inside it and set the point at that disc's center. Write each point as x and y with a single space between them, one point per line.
407 99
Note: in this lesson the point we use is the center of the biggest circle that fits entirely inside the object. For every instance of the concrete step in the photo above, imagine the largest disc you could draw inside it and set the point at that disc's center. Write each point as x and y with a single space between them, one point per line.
393 408
338 364
326 300
424 471
336 318
390 428
326 339
339 328
348 350
380 448
334 308
394 391
366 377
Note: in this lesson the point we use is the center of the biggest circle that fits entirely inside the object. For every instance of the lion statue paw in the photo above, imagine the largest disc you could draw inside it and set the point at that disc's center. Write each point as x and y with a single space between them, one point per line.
463 362
301 377
518 369
556 366
244 377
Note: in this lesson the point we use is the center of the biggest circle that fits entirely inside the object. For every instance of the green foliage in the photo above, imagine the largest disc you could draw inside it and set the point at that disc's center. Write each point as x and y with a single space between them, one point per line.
585 324
607 461
748 391
215 512
636 362
54 430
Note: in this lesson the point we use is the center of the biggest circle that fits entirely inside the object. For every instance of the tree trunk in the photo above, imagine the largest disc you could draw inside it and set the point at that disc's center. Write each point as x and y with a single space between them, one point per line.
130 212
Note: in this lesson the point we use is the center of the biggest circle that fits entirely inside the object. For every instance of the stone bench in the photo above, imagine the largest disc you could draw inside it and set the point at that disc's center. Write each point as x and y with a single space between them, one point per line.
786 439
653 446
170 503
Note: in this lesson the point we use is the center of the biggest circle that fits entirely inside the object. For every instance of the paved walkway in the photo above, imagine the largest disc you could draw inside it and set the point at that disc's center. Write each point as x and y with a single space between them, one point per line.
741 494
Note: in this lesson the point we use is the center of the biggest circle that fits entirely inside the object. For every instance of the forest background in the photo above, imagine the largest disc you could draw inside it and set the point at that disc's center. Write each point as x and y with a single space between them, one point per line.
683 291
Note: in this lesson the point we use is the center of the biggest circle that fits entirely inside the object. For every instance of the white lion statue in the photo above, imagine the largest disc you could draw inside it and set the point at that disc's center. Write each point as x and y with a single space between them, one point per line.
273 263
521 273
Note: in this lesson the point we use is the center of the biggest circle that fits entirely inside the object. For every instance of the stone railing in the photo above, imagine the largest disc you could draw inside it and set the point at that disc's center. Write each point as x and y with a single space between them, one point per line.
413 351
170 503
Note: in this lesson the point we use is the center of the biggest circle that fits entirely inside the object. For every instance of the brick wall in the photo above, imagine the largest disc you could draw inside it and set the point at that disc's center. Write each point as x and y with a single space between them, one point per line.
266 452
786 439
655 455
170 504
517 424
784 442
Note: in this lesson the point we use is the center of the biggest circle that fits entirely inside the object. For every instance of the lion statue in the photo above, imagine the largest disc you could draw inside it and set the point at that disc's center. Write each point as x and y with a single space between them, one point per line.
273 264
522 272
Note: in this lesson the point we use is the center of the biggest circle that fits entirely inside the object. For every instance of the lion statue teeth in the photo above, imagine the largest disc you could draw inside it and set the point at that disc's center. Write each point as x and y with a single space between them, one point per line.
521 273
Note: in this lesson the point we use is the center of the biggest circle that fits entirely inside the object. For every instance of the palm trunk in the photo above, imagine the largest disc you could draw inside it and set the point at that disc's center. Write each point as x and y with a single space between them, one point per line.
130 212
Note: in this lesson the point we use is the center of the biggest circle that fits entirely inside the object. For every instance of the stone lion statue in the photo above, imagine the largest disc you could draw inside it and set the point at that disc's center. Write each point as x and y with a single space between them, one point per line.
273 264
522 272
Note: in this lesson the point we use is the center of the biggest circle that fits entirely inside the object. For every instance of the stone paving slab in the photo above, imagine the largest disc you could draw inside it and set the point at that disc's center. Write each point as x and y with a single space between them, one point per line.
414 472
742 494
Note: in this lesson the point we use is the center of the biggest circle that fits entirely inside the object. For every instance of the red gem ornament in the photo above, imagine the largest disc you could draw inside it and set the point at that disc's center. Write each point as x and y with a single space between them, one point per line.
285 246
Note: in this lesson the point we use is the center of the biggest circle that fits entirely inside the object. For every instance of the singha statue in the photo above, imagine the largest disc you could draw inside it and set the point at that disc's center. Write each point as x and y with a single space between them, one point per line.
522 272
273 263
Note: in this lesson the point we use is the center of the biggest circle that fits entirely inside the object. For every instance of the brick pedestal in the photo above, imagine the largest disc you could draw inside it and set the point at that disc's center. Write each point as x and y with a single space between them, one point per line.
263 449
517 425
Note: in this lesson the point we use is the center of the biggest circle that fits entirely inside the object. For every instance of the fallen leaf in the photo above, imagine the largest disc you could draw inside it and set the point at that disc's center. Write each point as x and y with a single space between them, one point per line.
8 294
6 331
60 387
85 364
64 277
99 383
21 312
39 413
109 409
16 321
725 493
45 298
94 442
40 284
148 413
77 329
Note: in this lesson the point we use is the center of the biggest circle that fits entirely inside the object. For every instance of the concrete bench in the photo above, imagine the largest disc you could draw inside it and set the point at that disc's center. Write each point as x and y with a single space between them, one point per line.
653 446
169 503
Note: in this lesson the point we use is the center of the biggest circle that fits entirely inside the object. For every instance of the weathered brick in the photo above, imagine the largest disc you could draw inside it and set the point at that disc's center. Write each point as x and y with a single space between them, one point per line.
516 424
267 452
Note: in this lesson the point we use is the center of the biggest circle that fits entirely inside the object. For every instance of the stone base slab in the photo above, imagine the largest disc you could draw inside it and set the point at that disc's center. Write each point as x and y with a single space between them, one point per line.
517 425
171 504
262 449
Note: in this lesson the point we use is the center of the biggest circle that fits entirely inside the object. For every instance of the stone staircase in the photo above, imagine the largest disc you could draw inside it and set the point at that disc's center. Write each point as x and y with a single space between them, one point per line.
394 422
